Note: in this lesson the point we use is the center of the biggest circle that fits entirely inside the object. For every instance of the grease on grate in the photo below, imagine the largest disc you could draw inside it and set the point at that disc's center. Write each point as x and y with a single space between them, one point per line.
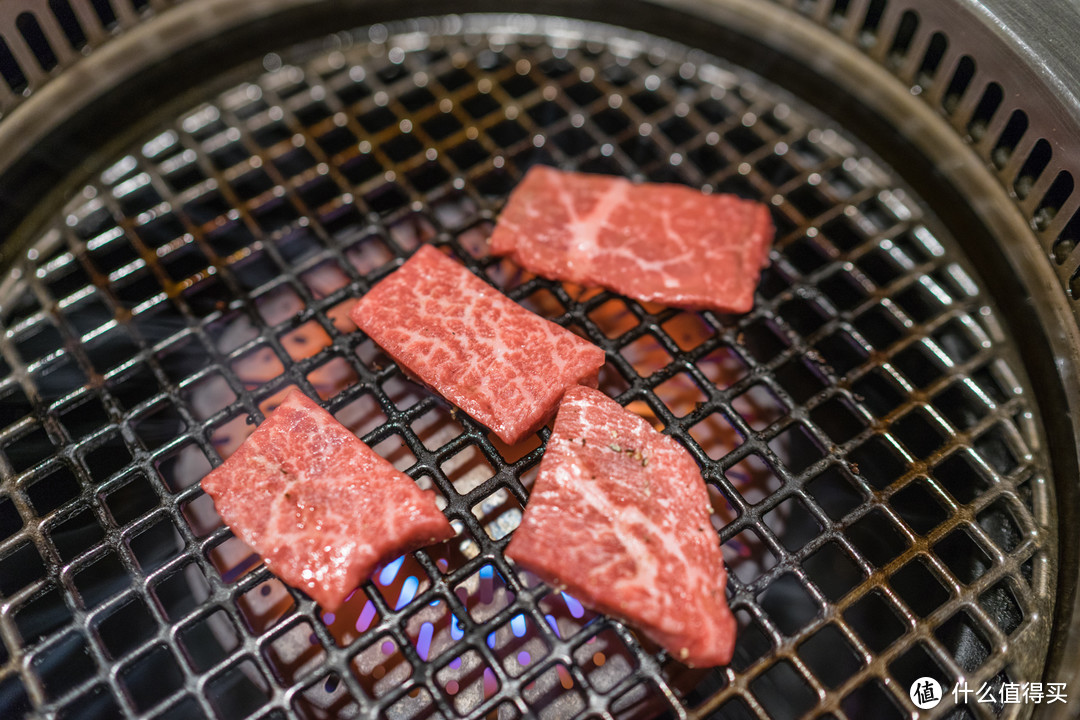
864 432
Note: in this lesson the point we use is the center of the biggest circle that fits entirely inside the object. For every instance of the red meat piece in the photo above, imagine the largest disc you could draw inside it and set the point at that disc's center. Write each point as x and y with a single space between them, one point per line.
656 242
619 518
320 507
500 363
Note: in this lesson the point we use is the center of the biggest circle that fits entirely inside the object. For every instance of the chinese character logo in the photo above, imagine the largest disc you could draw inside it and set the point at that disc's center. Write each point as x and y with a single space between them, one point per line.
925 693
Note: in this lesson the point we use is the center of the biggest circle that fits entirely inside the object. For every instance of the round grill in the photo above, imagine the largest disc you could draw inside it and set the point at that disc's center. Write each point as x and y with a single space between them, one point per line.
871 450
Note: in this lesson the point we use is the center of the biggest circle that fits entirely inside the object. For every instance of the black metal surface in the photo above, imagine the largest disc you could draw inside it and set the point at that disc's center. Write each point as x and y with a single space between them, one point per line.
864 429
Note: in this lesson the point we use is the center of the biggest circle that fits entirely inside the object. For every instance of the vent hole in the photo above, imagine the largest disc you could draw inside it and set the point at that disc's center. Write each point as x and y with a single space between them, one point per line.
932 59
961 79
871 22
10 69
1074 286
36 40
1067 240
64 15
1010 138
840 8
988 105
909 23
1033 167
105 13
1053 200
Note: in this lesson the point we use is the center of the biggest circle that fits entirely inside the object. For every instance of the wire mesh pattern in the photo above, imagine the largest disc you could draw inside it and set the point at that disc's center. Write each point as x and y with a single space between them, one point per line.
39 40
877 479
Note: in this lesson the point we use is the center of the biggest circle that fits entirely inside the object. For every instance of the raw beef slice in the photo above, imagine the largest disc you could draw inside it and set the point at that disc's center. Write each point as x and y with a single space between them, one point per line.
657 242
500 363
319 506
619 518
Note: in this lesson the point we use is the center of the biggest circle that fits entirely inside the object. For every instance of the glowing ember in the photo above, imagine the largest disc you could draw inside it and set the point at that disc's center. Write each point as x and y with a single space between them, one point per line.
324 279
258 367
491 684
564 677
305 341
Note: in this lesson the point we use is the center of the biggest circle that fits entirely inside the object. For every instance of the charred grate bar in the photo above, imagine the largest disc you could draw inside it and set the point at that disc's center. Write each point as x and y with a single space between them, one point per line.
865 432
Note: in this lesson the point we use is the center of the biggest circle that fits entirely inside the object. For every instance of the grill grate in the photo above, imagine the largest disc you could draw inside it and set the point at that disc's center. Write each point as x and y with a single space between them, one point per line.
871 453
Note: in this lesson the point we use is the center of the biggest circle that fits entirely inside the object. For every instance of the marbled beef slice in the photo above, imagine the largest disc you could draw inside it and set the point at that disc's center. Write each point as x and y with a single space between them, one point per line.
502 364
655 242
320 507
619 518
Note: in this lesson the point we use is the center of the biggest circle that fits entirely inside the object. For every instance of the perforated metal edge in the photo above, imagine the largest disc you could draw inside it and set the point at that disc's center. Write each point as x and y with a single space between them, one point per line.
956 56
947 53
1034 222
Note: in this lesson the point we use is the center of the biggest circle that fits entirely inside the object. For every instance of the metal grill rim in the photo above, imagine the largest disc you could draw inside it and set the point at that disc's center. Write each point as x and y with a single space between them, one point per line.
769 318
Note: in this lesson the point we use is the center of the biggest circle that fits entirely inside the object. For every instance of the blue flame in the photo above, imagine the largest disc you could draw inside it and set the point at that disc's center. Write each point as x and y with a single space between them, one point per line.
455 628
388 573
423 643
408 591
573 606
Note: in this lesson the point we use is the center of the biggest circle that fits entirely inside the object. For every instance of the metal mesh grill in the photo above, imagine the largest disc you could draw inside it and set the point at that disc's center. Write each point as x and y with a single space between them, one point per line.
872 456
